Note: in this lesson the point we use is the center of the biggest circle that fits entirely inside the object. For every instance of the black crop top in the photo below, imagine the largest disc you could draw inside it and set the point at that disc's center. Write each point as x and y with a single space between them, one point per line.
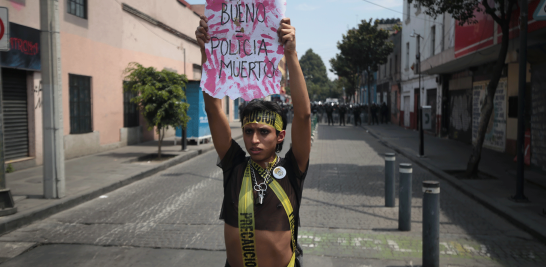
270 215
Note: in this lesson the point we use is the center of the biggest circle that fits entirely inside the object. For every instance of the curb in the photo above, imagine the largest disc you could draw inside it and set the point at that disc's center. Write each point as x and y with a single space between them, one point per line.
20 219
535 229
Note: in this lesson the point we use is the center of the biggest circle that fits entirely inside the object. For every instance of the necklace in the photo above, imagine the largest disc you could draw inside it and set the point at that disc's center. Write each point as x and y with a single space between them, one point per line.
261 188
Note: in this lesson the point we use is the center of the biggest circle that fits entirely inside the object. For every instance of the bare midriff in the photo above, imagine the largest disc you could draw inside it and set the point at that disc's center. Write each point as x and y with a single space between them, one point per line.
272 247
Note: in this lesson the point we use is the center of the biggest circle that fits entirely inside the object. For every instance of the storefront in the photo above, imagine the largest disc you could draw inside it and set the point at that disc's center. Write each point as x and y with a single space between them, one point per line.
18 67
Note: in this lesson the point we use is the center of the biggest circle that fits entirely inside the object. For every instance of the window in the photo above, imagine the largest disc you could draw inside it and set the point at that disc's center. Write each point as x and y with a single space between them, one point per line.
80 104
78 8
433 41
130 110
407 55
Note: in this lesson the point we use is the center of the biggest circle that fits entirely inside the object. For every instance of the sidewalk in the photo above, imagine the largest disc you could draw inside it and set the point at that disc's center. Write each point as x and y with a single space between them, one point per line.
444 155
91 176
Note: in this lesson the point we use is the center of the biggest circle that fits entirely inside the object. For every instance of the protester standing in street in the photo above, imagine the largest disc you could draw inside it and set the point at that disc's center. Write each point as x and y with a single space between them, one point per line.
374 110
356 114
342 112
252 197
329 113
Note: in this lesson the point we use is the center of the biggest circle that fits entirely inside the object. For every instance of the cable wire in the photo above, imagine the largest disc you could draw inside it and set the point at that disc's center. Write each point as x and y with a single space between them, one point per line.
401 12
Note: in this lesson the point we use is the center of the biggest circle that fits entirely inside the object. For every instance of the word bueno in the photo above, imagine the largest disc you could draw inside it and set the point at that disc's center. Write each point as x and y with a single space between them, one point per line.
241 9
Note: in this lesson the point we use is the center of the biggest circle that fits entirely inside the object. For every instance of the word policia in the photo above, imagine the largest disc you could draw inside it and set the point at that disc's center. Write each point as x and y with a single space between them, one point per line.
239 68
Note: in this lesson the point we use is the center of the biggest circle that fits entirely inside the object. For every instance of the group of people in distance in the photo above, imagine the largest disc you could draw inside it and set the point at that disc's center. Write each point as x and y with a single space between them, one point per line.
335 112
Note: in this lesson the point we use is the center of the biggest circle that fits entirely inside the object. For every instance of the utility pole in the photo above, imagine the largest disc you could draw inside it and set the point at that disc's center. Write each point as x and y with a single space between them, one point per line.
184 137
520 197
420 112
7 206
54 179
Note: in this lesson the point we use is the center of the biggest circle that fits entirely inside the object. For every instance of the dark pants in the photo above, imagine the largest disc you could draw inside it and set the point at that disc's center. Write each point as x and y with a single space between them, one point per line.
374 118
330 119
341 119
357 119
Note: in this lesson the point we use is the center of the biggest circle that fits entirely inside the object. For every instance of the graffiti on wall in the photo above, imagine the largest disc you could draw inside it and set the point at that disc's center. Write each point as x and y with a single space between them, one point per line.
495 135
38 95
461 119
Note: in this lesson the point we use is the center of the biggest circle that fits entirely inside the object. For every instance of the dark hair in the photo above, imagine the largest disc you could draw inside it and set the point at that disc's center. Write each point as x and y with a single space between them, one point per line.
262 105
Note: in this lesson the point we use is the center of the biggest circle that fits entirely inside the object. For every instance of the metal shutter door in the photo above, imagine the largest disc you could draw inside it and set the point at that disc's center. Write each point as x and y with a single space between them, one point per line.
15 114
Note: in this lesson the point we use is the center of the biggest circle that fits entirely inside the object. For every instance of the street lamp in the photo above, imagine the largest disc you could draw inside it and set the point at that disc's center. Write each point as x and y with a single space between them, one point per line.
420 113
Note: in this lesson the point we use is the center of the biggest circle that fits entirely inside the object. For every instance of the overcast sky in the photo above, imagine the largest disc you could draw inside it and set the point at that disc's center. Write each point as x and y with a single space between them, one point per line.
320 23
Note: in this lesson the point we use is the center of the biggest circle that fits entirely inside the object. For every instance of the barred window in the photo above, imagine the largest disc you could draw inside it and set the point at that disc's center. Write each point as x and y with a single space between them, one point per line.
130 110
78 8
80 104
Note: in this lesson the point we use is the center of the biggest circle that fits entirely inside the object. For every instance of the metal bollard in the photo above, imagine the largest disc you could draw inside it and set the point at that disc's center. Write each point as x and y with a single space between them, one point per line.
389 179
404 210
431 224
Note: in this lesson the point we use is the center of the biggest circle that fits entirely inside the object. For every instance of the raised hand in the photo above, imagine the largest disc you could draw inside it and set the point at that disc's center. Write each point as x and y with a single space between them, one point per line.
287 36
202 35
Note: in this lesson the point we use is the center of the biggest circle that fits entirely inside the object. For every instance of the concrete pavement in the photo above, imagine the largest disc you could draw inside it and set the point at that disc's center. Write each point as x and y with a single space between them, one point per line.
171 218
91 176
444 156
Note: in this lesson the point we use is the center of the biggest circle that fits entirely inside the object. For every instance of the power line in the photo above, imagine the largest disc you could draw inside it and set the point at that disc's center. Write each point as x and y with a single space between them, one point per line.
405 14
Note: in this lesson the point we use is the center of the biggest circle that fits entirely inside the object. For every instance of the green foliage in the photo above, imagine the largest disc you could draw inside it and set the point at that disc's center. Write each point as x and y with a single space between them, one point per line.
464 10
161 98
9 168
319 86
313 68
363 48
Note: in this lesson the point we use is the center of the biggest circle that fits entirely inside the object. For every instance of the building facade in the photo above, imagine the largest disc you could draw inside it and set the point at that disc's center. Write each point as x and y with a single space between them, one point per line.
388 75
425 89
98 41
465 70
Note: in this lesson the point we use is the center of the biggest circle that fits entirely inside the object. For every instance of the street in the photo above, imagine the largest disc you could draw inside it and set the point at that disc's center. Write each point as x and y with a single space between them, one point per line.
171 219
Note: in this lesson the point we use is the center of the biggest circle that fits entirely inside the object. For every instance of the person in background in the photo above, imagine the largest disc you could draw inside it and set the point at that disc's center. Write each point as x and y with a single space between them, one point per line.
342 112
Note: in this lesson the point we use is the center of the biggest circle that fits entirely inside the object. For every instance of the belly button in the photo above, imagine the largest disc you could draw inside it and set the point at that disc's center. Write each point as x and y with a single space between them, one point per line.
279 205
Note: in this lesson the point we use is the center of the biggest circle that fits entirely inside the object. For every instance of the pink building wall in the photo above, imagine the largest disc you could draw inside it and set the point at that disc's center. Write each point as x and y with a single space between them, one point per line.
101 47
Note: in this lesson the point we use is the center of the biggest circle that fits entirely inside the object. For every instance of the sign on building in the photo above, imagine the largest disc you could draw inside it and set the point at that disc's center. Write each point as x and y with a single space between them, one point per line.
4 29
427 118
540 12
24 52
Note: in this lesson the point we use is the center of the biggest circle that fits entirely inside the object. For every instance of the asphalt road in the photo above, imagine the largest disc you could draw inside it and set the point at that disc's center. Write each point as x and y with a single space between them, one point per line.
171 219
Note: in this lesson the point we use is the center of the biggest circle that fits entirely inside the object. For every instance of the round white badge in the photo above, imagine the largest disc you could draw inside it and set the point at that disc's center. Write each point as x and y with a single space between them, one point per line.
279 172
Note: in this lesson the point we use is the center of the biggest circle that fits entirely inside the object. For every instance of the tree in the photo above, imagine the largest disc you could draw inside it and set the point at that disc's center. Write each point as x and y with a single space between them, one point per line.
316 77
464 11
313 68
361 49
160 97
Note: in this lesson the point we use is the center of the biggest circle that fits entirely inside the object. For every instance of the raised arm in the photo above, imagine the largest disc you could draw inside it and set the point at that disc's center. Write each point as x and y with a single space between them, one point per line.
301 123
218 123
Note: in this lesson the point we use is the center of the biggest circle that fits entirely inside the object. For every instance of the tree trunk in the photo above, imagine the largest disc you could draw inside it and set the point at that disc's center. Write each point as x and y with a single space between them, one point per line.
487 109
160 136
369 99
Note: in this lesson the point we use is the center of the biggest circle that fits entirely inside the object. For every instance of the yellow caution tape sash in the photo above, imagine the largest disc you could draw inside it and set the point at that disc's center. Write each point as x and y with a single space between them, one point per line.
246 216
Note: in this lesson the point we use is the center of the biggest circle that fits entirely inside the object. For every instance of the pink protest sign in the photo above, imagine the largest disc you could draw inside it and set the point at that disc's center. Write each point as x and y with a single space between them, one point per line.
244 51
